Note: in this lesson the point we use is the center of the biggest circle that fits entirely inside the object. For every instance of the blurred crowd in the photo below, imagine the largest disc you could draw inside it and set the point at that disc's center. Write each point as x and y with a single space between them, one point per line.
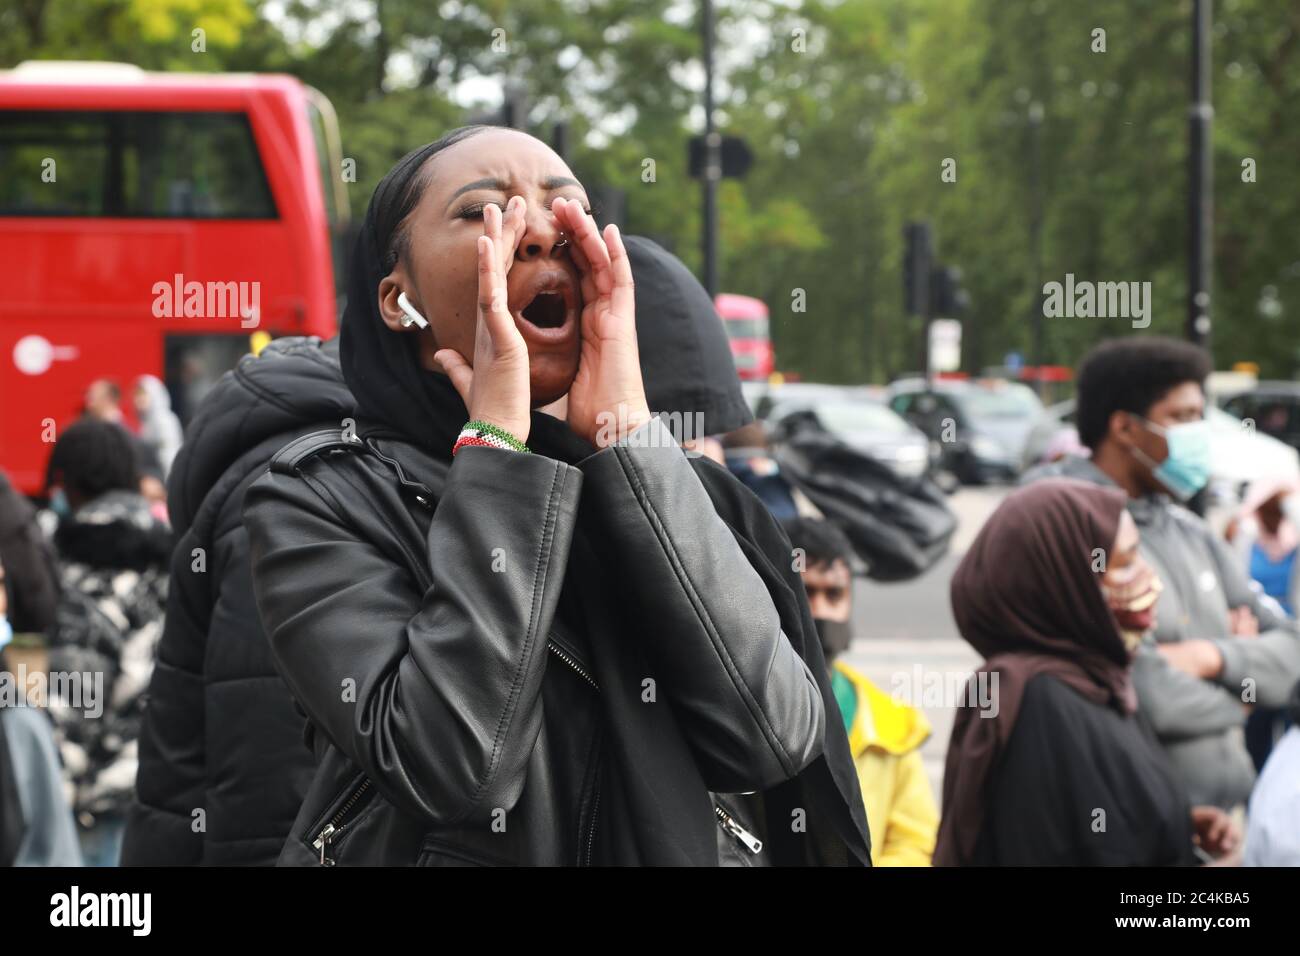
85 594
1145 667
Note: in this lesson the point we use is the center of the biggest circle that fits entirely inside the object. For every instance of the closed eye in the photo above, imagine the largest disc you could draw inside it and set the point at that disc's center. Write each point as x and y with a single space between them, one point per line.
585 208
475 210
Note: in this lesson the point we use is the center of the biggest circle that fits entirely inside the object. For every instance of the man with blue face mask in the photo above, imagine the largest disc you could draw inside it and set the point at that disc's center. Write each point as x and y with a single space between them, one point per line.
1217 649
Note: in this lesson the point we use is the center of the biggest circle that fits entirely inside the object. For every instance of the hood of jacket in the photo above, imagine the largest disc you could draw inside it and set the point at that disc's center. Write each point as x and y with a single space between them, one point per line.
116 530
293 382
686 360
880 721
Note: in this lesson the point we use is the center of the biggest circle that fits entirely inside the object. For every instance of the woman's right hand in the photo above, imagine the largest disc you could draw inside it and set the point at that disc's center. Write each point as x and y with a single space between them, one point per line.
495 387
1215 831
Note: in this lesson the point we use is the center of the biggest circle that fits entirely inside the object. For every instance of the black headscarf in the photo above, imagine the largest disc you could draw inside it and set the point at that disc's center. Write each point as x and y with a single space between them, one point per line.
664 816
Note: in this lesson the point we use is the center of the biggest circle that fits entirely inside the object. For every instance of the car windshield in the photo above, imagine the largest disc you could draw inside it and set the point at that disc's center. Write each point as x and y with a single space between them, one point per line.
999 403
843 417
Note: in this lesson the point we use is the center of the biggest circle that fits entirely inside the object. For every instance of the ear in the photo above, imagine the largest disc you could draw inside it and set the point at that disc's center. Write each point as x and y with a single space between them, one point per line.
1121 428
390 287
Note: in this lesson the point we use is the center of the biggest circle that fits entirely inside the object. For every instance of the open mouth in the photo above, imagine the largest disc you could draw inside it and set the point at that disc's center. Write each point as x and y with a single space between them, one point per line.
546 307
547 311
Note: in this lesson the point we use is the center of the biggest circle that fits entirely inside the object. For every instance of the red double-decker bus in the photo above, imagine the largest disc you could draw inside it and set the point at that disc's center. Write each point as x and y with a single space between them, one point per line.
154 223
746 321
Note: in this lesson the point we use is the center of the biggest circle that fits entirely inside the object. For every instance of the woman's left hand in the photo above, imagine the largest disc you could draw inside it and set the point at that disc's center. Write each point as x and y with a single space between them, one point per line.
607 399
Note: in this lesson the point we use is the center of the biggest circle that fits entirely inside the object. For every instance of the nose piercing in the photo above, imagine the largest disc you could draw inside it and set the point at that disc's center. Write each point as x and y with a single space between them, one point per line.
562 241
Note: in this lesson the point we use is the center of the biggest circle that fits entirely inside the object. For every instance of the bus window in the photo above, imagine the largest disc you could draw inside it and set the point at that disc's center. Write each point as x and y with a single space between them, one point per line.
168 165
192 364
74 142
323 158
746 328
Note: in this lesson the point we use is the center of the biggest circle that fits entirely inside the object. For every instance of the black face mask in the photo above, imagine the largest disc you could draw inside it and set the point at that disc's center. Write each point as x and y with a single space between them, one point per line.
835 637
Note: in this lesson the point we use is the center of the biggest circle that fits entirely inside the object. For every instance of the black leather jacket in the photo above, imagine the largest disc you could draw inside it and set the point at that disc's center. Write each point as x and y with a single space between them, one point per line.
446 693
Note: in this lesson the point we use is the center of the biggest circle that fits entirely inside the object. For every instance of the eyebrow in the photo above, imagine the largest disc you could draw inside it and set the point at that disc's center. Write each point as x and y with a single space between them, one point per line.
500 185
555 182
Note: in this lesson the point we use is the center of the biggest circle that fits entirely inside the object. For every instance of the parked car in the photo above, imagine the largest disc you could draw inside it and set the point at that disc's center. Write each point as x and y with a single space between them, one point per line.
1274 407
978 429
753 393
1053 434
862 423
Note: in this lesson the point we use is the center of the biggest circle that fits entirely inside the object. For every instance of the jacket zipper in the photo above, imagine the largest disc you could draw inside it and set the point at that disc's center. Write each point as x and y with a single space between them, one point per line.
593 819
555 649
336 826
729 824
595 808
332 829
426 582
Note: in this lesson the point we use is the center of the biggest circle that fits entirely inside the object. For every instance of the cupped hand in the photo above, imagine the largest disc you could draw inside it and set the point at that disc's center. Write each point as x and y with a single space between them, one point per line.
495 386
607 399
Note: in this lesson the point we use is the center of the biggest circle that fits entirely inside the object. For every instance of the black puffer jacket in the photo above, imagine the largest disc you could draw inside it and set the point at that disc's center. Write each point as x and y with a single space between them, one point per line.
223 766
455 672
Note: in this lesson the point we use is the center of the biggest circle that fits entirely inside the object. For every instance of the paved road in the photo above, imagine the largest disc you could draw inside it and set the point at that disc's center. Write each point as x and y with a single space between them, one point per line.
906 639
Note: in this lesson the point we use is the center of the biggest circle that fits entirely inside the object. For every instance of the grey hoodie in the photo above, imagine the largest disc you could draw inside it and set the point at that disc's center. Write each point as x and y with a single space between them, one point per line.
1199 721
49 833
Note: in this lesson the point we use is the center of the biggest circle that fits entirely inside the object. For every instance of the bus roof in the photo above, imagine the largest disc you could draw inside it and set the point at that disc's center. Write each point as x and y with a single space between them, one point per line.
731 306
53 84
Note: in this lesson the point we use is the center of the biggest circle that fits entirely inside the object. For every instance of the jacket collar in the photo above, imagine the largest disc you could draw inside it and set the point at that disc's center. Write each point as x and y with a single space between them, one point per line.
1146 510
880 722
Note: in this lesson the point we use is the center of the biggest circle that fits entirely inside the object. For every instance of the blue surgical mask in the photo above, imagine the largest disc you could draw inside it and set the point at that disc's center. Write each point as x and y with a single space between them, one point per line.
1186 469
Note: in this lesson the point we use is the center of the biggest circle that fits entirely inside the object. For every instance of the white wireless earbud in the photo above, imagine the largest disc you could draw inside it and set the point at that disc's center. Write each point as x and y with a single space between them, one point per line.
412 315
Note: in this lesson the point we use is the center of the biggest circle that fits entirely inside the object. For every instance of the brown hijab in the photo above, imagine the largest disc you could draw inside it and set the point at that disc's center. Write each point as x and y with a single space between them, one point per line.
1027 597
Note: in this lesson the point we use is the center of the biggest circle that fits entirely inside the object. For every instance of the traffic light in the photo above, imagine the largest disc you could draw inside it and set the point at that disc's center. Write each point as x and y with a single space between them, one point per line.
947 296
609 204
560 139
514 109
916 268
733 153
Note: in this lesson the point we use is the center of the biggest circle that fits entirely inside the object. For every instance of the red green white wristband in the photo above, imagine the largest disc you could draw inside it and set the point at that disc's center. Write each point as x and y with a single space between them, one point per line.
487 436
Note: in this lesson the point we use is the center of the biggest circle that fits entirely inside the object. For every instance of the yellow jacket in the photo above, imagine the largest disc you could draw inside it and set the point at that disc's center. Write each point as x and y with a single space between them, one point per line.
884 739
